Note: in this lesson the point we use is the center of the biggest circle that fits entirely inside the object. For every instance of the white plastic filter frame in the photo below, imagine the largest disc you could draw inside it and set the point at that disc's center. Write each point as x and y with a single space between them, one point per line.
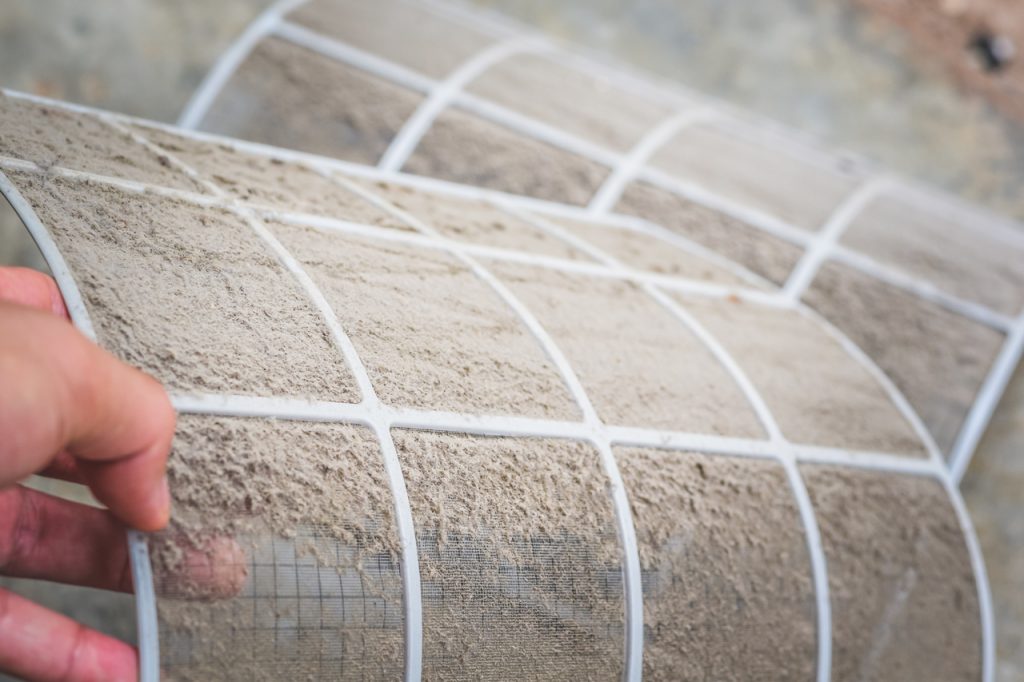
371 412
511 36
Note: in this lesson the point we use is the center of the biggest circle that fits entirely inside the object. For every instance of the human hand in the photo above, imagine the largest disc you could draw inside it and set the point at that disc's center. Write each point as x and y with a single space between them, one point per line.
70 410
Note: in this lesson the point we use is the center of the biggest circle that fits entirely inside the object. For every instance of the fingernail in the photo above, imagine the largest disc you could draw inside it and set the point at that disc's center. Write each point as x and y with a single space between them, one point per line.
164 500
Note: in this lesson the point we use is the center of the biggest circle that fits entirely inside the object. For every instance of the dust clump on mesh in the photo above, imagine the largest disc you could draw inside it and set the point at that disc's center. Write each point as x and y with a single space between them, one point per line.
463 148
188 294
638 364
297 519
904 601
815 390
519 558
474 221
724 567
936 358
288 96
431 334
48 136
760 252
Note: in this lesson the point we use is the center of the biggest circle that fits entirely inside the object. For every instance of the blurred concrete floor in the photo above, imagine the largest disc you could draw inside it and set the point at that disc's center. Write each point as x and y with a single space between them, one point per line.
817 65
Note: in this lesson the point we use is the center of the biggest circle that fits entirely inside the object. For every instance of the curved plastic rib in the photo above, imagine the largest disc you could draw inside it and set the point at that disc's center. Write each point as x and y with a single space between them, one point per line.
229 62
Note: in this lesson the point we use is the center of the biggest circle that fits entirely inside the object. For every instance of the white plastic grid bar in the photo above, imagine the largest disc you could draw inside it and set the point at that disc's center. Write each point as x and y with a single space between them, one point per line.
988 630
138 551
610 191
231 59
505 425
816 254
408 138
986 401
484 194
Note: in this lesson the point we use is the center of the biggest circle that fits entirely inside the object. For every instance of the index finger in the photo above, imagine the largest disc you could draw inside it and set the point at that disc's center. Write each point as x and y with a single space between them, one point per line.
61 391
31 288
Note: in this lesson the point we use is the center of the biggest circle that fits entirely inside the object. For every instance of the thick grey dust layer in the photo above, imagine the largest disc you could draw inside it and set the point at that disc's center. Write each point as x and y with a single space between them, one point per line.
266 182
817 392
725 571
638 364
575 101
403 32
431 334
189 294
48 137
945 248
288 96
463 148
281 561
648 252
758 251
519 558
474 221
936 358
758 173
904 602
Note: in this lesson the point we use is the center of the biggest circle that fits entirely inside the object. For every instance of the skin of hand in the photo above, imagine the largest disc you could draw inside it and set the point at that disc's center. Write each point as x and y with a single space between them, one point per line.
70 410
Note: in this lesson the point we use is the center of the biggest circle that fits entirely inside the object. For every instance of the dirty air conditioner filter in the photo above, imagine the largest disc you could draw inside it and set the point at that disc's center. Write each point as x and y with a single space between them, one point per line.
932 290
428 430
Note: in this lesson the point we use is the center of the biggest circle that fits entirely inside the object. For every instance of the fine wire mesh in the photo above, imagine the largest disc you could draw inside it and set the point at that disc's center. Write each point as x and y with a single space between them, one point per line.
310 608
658 439
287 566
735 194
